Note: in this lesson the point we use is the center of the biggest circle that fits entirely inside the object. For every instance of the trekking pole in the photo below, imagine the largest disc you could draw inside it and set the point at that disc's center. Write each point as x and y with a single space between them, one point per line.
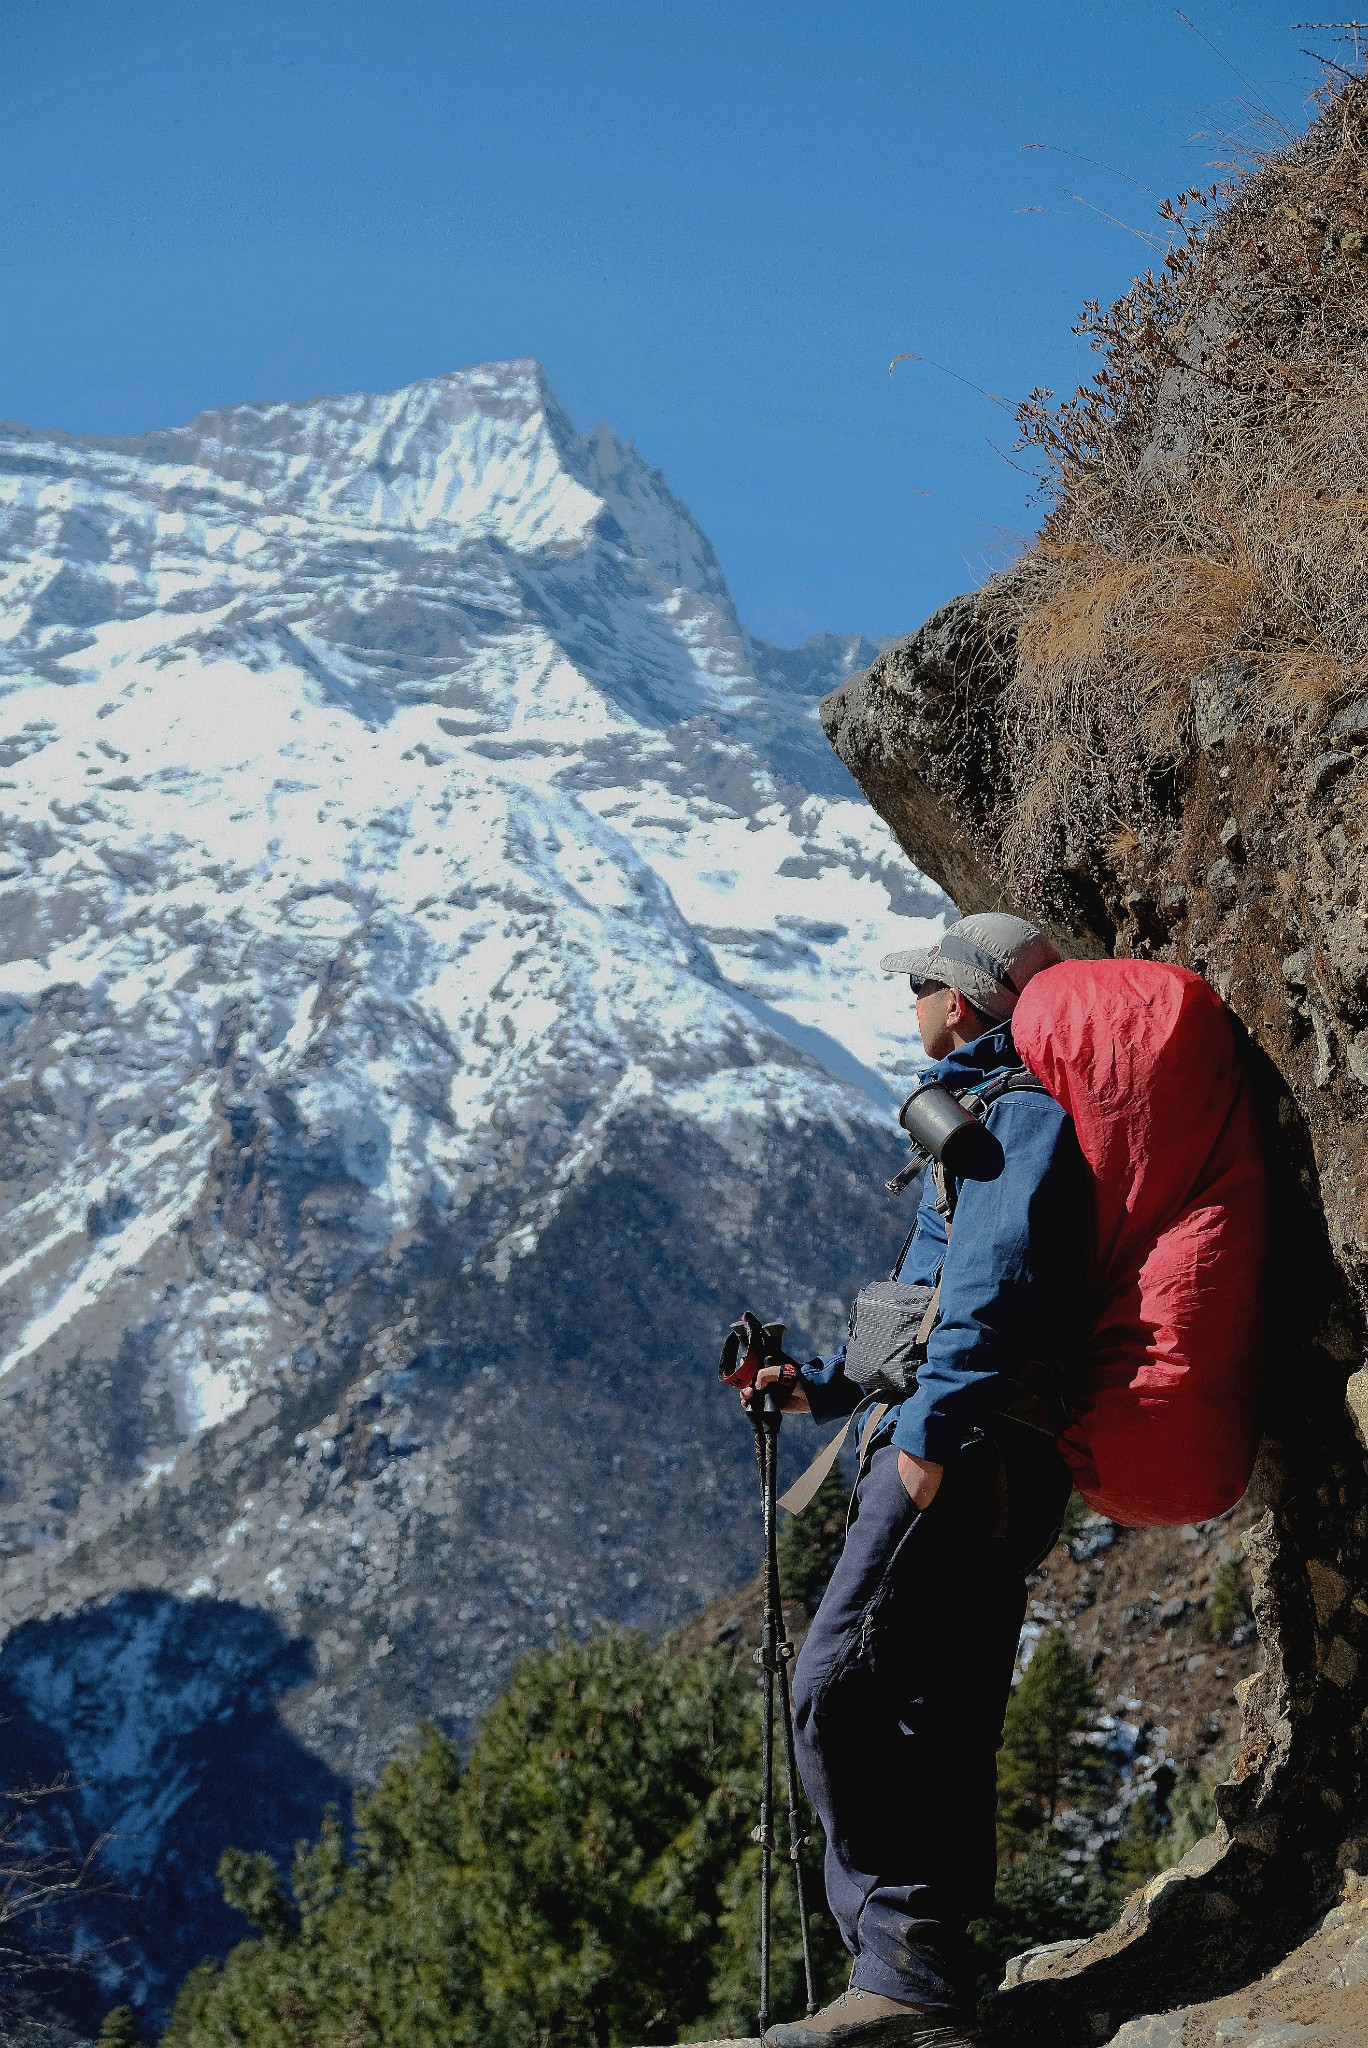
783 1657
767 1660
776 1654
750 1345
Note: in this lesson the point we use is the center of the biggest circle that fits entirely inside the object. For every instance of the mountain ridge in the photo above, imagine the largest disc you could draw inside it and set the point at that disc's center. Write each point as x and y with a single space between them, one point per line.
440 980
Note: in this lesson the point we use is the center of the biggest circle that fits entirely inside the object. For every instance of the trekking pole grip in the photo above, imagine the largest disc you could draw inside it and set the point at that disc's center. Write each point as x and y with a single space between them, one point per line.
772 1401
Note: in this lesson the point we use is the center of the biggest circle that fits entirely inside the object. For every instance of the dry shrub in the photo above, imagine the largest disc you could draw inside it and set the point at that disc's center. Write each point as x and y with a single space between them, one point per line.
1208 499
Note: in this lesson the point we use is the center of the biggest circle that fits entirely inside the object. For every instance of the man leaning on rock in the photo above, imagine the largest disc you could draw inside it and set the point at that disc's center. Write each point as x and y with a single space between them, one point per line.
902 1684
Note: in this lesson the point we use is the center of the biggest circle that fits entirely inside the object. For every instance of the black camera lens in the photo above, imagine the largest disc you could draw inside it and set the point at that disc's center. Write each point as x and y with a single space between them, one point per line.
940 1126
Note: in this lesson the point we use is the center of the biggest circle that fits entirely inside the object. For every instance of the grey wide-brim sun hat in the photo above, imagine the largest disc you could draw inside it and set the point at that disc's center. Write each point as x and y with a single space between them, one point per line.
988 957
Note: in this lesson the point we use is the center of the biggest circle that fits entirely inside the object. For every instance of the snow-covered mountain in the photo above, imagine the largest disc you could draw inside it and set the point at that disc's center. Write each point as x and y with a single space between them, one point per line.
439 988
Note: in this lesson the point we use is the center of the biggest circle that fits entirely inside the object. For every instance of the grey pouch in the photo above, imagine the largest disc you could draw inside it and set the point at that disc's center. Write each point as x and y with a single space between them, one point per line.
889 1325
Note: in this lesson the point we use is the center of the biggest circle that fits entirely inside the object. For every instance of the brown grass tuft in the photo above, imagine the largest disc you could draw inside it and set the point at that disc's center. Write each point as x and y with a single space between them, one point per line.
1208 499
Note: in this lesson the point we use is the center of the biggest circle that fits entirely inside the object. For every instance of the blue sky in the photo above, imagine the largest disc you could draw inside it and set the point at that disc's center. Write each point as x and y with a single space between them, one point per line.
714 223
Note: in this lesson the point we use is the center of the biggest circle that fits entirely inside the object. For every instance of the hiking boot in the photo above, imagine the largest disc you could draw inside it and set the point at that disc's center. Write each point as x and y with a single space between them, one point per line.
862 2019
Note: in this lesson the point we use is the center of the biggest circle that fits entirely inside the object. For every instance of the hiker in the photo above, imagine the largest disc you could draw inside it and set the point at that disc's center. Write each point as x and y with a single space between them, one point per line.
902 1684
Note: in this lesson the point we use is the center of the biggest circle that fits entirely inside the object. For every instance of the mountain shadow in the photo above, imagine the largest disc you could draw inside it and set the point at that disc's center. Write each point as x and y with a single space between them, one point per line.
158 1716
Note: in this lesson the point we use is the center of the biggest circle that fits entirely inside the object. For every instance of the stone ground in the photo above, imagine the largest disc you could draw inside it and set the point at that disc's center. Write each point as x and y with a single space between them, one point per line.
1317 1997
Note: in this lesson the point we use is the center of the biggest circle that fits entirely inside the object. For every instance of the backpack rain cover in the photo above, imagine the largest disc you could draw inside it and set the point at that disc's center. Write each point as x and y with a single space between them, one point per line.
1144 1058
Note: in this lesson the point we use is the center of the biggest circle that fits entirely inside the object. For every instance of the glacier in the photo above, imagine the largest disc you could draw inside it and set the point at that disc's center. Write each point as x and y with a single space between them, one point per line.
439 989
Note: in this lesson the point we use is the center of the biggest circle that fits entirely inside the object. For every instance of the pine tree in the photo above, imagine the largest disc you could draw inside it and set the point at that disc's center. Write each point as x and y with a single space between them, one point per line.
735 1981
588 1878
251 1886
1228 1607
1047 1769
1041 1896
606 1799
811 1542
1046 1763
120 2029
369 1950
1142 1851
1192 1803
1075 1515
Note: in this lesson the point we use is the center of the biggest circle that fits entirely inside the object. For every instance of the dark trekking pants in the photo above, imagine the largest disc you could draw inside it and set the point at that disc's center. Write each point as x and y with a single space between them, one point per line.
899 1696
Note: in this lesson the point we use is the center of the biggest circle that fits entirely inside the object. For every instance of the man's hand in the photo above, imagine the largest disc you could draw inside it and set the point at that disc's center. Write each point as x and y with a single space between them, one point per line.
795 1402
921 1478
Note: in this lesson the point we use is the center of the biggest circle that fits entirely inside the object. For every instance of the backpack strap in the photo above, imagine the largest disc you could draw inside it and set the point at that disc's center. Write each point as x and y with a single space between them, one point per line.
928 1321
906 1248
1020 1081
978 1101
804 1487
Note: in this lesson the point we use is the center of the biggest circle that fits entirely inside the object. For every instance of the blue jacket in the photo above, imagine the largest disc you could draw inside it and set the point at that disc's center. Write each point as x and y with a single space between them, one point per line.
1013 1277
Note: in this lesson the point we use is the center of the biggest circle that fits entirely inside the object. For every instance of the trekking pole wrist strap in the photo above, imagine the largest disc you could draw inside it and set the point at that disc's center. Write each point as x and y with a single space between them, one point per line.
804 1489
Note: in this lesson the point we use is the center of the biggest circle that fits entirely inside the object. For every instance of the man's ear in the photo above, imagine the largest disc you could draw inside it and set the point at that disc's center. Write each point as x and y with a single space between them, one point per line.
960 1015
957 1009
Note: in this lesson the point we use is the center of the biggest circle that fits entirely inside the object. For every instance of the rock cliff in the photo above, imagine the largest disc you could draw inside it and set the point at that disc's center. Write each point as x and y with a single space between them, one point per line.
1153 735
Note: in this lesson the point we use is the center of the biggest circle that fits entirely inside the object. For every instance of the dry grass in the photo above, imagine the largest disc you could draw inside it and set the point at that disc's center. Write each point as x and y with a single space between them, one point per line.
1209 500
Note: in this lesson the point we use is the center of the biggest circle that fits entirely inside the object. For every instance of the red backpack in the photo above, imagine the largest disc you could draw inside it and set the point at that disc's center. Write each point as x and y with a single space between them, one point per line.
1143 1057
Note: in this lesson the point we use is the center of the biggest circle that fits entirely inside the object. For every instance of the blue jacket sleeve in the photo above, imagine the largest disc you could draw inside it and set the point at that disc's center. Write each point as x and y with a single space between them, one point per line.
1013 1280
830 1394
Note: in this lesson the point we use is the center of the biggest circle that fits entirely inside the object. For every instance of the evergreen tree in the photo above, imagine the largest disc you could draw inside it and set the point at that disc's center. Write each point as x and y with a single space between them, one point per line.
1046 1763
251 1886
1075 1516
361 1953
1041 1896
588 1879
735 1981
1047 1769
606 1800
1192 1804
120 2029
1228 1607
1143 1849
811 1542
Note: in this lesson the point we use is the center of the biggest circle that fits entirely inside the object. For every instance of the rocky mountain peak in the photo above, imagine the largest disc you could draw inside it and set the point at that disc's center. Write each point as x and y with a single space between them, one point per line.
658 527
486 450
438 977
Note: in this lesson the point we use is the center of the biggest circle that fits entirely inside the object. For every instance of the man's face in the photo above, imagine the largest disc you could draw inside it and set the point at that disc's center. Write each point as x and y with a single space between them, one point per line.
934 1004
